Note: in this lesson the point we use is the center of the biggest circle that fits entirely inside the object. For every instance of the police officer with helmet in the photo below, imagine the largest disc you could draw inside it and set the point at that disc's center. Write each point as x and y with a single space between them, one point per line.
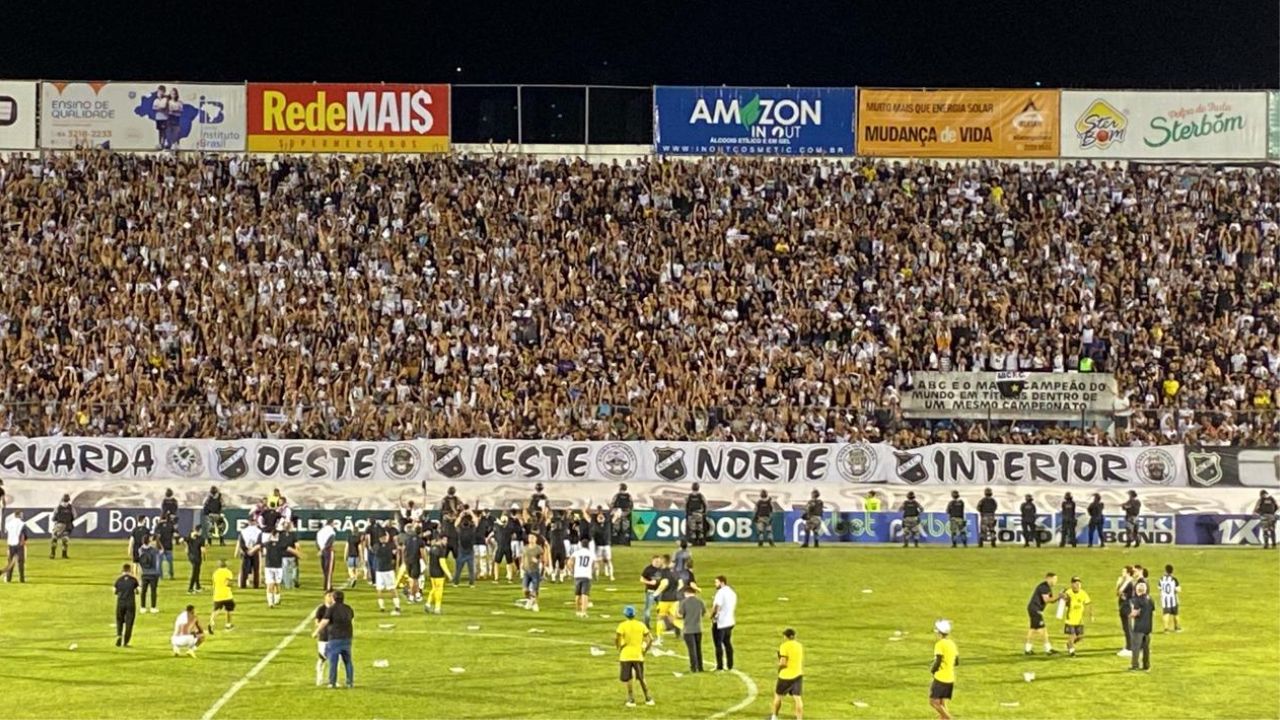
695 513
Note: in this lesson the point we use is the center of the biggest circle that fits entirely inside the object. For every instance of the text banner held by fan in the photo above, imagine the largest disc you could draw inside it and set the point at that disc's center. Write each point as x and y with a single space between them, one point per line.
1010 395
348 118
958 123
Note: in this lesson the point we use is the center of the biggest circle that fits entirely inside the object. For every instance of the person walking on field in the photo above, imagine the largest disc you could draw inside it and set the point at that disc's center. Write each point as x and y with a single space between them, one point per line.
126 589
339 623
790 674
691 610
1141 613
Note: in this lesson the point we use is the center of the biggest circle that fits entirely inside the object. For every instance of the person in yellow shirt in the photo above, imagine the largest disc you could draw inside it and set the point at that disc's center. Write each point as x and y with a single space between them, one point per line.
632 639
1077 600
946 656
790 674
871 503
222 598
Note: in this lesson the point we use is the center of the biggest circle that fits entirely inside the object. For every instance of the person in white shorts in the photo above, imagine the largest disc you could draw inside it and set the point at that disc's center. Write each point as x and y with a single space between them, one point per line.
187 634
583 562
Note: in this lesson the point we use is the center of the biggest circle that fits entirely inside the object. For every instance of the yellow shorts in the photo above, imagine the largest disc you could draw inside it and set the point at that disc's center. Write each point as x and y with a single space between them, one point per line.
666 609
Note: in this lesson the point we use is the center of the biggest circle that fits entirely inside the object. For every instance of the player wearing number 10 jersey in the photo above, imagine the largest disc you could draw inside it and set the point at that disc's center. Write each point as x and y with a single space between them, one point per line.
583 560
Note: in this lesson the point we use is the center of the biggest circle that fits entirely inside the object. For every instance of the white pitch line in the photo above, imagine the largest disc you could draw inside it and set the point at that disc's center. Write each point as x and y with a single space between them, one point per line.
753 691
239 684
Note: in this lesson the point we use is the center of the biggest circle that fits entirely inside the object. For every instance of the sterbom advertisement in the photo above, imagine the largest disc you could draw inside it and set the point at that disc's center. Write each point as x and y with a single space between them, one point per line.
1177 125
753 121
17 115
142 116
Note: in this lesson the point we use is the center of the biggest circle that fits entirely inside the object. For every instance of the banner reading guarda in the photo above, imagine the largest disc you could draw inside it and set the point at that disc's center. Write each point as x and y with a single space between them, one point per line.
348 118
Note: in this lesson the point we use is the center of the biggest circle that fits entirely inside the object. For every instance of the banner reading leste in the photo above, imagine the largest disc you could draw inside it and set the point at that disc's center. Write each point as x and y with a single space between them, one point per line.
348 118
958 123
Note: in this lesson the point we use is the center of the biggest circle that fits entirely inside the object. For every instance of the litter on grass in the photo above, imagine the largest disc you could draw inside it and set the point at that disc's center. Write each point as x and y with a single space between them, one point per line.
386 626
895 638
457 670
866 591
380 663
860 704
497 612
611 589
72 646
605 615
537 631
784 599
597 652
473 627
677 674
1009 704
1028 676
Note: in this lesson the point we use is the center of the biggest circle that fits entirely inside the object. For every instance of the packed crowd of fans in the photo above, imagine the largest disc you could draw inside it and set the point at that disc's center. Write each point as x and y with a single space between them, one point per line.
383 298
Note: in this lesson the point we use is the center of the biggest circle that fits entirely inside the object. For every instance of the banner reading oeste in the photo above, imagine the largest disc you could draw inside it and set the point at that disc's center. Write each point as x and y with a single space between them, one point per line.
18 115
958 123
348 118
1179 125
142 116
752 121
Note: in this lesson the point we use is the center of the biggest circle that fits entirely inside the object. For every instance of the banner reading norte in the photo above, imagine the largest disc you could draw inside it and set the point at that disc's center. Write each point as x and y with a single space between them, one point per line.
348 118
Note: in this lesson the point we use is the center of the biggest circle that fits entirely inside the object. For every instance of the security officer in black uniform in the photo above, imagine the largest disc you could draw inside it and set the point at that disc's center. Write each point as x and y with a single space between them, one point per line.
764 519
911 511
621 507
813 518
1132 508
1029 530
451 504
1068 521
695 513
214 522
987 508
538 501
1265 509
955 514
64 518
1095 523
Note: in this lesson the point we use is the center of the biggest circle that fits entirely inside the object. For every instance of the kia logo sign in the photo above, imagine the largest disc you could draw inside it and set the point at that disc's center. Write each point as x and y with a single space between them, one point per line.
8 111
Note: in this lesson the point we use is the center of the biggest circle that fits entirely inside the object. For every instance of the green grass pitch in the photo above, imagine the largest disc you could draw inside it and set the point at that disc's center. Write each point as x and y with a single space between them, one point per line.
847 605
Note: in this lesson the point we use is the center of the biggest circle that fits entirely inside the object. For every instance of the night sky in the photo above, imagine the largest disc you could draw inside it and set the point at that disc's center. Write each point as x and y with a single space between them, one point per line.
1120 43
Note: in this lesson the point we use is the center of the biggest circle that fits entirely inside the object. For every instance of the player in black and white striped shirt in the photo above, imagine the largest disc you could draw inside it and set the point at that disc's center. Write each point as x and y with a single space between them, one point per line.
1169 590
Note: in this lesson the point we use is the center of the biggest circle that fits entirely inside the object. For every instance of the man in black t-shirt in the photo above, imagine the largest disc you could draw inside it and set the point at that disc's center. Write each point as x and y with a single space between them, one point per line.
649 578
502 547
558 539
289 540
339 621
466 549
622 507
1041 597
353 556
139 538
126 589
437 571
1141 612
602 537
273 553
384 559
166 532
195 556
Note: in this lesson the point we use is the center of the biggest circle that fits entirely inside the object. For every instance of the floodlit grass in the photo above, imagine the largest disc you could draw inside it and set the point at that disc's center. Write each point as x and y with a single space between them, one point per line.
846 604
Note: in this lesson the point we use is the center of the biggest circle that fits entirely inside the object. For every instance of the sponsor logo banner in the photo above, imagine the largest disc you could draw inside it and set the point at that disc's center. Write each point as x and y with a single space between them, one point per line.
409 463
1218 529
958 123
307 522
348 118
133 116
1010 395
753 121
935 528
1215 125
99 523
1273 125
1233 467
726 525
17 115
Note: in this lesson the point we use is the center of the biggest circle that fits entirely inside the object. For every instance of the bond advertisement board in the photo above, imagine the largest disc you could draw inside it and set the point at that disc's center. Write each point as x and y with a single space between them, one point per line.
348 118
142 116
753 121
18 112
98 523
1178 125
1219 529
958 123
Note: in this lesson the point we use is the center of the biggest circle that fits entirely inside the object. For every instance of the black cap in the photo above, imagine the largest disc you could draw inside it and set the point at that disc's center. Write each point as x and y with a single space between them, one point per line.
1075 578
911 496
987 492
814 493
955 493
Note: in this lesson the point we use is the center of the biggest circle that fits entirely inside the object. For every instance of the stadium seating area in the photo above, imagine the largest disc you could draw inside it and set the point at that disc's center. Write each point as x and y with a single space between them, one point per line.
724 299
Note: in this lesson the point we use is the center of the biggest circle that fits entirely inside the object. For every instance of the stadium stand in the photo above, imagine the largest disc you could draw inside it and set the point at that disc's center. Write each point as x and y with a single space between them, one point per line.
727 299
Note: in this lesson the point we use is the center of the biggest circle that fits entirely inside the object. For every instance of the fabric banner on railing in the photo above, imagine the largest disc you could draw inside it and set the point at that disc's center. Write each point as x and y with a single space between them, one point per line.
1233 467
1010 395
528 461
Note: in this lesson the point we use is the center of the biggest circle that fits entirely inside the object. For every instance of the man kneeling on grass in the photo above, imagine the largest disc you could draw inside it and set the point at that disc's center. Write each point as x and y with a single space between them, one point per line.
187 633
